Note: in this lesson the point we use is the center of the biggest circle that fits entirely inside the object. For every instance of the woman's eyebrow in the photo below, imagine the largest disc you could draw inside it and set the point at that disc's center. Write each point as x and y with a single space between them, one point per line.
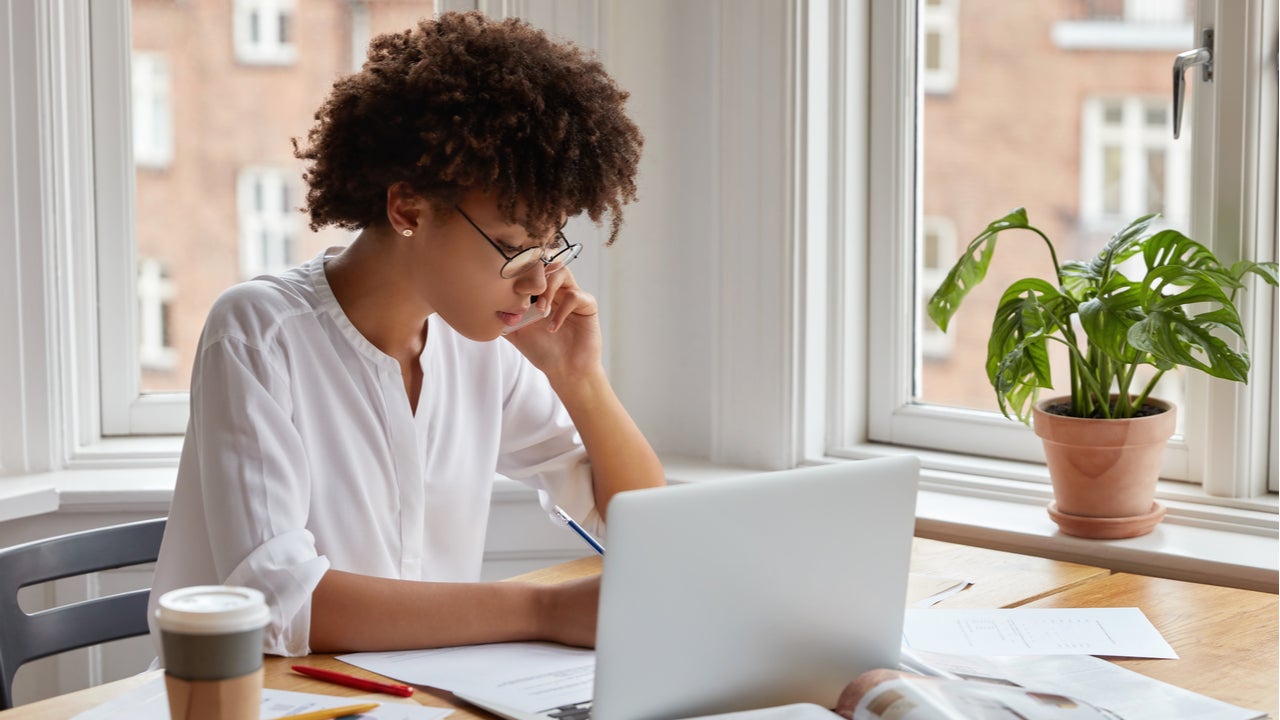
521 243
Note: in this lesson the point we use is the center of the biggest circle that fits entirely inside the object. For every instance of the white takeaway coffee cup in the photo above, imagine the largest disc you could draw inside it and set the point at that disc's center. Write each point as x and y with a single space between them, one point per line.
211 645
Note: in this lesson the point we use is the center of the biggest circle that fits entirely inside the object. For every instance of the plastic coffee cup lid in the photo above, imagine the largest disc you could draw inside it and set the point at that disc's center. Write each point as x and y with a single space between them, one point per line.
211 609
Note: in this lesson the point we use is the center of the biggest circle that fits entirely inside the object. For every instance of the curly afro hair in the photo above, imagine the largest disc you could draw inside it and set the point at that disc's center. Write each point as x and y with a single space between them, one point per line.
464 103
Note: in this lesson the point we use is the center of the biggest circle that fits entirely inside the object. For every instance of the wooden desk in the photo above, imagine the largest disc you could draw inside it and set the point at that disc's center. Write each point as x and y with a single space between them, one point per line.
1226 638
1001 579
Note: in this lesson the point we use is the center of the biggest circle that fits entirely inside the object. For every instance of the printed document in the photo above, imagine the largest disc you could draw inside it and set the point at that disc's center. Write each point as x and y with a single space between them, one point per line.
1112 632
528 676
149 702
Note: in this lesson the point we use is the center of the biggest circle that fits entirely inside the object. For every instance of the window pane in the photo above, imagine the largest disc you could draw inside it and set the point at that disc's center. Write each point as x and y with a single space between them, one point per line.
190 224
1155 180
932 51
1079 136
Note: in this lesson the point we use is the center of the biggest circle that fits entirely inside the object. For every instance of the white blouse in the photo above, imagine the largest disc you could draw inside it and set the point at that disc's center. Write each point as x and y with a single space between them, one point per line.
302 453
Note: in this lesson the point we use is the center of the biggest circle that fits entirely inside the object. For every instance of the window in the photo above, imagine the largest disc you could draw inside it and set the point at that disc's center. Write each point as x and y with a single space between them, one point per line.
937 253
155 291
264 33
939 45
228 206
1081 139
1131 165
152 114
268 217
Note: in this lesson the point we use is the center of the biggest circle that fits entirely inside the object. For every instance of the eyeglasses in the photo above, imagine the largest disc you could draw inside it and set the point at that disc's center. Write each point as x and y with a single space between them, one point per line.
557 254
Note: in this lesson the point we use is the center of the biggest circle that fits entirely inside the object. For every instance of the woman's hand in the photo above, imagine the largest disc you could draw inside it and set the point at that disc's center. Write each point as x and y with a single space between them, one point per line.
567 343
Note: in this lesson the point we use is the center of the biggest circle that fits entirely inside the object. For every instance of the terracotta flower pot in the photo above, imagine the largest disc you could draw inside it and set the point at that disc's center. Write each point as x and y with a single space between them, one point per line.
1104 472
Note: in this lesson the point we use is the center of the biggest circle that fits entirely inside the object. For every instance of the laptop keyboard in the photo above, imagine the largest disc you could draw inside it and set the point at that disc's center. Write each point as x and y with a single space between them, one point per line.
577 711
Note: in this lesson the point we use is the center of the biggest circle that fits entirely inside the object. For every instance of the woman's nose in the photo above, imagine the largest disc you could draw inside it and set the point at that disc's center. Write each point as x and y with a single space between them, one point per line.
533 281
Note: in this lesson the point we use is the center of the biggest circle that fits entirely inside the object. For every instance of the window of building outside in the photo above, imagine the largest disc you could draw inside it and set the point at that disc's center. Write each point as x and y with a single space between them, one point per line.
1131 165
152 110
939 41
155 293
1079 136
263 32
225 204
267 210
937 253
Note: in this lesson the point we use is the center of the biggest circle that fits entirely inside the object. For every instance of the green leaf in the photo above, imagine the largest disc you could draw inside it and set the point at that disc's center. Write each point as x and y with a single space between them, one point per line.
1174 286
1080 279
1123 245
1175 338
1030 311
1173 333
971 268
1172 248
1106 319
1267 271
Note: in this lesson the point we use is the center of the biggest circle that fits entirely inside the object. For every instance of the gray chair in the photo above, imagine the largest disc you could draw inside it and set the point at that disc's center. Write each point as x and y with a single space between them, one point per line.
24 637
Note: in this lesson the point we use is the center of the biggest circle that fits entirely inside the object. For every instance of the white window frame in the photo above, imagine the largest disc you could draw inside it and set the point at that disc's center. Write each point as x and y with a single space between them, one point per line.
124 409
267 228
267 49
1227 444
152 110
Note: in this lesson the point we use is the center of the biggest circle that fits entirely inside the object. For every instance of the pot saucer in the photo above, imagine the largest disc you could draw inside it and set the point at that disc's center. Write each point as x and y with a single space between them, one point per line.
1107 528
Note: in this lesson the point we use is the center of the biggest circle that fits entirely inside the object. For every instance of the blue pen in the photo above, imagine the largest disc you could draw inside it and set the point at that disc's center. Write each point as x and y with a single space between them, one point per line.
595 544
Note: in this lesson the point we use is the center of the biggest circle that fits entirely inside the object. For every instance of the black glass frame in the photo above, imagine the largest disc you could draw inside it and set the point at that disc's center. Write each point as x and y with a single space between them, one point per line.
559 259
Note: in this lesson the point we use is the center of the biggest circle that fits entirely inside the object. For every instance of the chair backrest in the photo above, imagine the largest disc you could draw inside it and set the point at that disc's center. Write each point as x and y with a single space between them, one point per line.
24 637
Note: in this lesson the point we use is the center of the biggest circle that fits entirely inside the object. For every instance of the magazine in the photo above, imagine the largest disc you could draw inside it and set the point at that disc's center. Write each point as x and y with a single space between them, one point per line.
935 686
897 695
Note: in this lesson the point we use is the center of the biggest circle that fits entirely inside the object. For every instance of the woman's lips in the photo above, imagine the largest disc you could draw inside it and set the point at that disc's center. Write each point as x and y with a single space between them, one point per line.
510 319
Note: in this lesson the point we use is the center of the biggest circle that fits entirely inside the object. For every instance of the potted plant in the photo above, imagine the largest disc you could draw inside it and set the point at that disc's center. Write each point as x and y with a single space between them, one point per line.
1104 440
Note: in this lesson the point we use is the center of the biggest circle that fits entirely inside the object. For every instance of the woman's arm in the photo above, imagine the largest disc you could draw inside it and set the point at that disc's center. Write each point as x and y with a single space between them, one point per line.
352 613
621 458
567 349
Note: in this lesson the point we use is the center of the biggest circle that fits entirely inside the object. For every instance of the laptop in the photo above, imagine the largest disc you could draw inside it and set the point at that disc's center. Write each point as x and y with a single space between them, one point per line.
761 591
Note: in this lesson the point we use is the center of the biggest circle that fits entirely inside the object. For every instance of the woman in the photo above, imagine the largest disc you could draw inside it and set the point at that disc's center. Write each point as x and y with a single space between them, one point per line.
348 416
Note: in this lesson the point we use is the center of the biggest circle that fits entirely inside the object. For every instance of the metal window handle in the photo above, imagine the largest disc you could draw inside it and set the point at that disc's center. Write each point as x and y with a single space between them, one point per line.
1202 56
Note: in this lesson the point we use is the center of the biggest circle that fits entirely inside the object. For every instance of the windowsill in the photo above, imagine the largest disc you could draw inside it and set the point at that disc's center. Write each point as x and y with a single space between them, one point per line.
1002 505
1120 35
1232 543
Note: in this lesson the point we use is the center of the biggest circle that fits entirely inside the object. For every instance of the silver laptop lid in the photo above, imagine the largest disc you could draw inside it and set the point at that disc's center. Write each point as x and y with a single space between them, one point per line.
765 590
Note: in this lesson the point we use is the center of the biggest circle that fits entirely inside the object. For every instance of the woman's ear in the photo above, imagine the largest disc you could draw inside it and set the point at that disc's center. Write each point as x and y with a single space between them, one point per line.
406 210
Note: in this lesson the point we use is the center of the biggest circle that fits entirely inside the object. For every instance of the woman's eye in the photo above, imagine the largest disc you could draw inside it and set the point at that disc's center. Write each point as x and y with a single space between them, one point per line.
511 250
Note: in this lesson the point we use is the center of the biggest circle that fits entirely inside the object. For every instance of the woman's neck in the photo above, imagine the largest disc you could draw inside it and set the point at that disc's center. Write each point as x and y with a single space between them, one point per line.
374 283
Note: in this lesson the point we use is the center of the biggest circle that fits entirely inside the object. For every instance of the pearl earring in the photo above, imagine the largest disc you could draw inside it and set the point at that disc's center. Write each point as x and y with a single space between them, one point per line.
406 232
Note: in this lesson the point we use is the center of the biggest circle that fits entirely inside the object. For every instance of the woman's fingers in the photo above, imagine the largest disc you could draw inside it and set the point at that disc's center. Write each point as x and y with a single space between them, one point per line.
571 301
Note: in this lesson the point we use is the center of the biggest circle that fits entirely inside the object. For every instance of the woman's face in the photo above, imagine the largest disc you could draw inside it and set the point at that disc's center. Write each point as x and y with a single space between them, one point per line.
464 281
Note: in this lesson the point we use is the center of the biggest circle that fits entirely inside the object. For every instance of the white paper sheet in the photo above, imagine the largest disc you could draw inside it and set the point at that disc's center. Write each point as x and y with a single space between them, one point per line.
149 702
1112 632
529 676
925 590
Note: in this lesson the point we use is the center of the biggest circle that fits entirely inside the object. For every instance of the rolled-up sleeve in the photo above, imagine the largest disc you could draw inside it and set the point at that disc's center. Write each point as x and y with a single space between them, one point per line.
541 447
255 485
